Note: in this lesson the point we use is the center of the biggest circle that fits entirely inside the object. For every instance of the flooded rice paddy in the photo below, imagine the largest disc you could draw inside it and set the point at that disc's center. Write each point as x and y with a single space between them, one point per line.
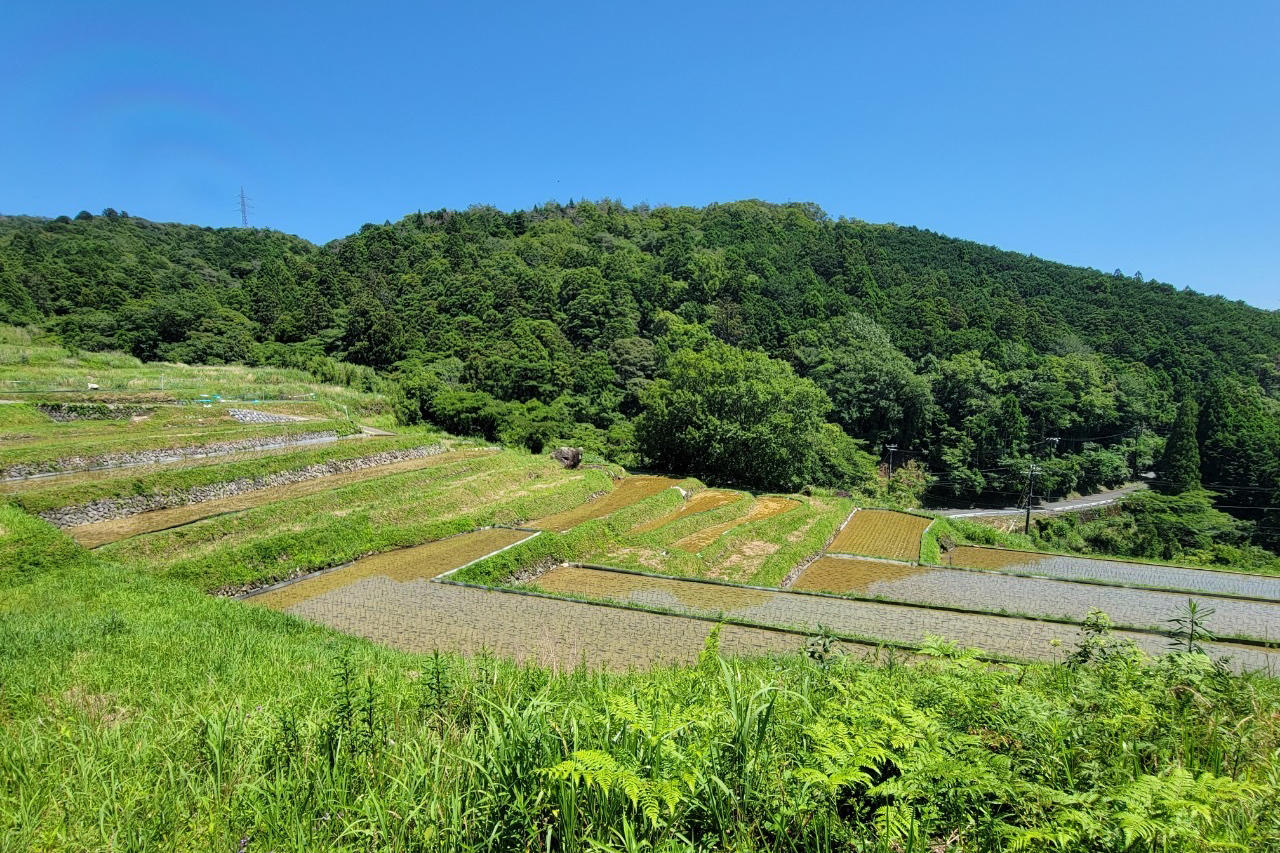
104 532
630 490
761 508
1061 599
1116 572
882 533
391 598
894 623
423 616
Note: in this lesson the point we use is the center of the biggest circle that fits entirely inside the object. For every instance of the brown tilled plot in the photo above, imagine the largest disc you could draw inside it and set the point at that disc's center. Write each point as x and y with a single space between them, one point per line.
761 508
704 501
852 574
421 562
630 490
881 533
113 530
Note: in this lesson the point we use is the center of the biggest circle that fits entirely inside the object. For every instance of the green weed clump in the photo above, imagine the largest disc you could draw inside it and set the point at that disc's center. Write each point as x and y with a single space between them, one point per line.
30 547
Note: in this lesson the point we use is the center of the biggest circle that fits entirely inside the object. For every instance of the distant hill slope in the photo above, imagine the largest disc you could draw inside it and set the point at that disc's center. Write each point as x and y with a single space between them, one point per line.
968 357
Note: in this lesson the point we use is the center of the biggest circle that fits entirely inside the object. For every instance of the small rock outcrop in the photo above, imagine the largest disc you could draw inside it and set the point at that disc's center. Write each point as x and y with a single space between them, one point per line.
569 457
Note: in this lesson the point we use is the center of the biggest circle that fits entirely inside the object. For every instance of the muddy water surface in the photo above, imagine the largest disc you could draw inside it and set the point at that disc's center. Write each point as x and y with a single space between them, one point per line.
852 574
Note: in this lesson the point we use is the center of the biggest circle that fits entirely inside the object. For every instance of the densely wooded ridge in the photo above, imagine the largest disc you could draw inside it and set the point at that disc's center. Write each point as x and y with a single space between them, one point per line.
768 344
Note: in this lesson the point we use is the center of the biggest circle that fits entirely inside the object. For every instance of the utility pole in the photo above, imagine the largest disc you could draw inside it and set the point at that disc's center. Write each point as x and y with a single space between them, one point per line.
891 448
1031 489
244 208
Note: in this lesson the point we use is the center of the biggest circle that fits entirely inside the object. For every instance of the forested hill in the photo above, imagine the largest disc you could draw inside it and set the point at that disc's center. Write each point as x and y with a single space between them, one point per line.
969 358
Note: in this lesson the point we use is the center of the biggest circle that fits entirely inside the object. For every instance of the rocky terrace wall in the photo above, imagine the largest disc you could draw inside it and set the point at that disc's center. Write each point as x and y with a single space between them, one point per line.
109 508
165 454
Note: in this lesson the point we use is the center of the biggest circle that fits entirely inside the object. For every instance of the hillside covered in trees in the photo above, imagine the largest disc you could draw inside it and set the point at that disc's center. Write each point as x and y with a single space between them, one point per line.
765 344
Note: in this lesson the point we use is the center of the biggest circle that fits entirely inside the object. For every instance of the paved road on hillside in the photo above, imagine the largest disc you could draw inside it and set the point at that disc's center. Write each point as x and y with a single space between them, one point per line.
1085 502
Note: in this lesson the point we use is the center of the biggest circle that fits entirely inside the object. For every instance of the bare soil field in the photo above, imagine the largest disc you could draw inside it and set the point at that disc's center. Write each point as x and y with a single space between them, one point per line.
704 501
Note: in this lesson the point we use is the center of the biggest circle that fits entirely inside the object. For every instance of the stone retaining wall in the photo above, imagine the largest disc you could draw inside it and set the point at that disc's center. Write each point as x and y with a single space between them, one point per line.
164 454
106 509
253 416
67 412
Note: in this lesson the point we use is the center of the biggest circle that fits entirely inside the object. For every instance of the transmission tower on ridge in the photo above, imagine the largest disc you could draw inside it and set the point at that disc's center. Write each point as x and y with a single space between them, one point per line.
244 208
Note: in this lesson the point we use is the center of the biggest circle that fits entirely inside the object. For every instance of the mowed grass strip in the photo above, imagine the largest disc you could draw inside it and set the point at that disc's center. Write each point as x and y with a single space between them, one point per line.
421 562
123 378
761 508
628 491
103 532
882 533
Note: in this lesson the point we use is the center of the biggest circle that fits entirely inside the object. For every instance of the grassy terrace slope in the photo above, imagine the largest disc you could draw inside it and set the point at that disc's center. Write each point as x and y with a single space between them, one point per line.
32 371
319 530
30 442
40 495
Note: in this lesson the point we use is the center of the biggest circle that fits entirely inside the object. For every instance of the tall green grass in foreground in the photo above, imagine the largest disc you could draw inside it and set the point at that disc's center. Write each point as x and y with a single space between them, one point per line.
139 714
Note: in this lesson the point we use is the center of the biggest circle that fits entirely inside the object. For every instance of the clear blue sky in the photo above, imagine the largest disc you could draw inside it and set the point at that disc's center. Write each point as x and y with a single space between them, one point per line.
1139 136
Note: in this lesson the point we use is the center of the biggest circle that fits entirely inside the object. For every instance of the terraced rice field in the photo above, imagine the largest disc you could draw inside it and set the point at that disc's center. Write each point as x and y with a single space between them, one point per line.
389 598
894 623
315 531
68 480
704 501
628 491
852 574
31 439
1116 572
1060 599
422 562
761 508
882 533
103 532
